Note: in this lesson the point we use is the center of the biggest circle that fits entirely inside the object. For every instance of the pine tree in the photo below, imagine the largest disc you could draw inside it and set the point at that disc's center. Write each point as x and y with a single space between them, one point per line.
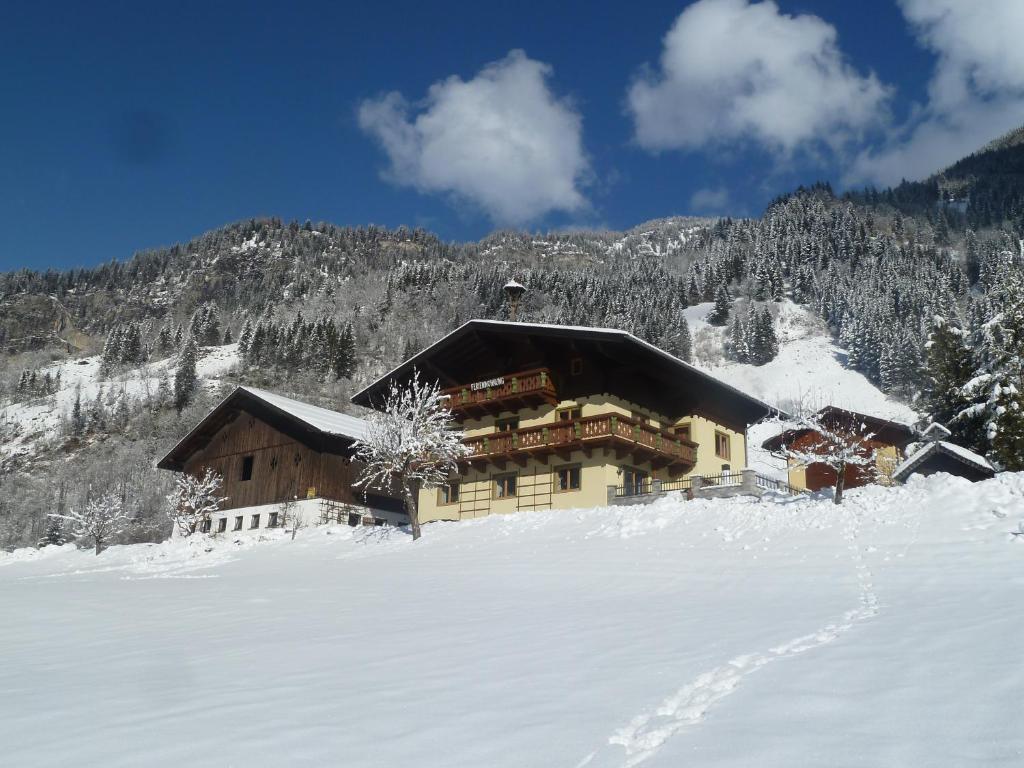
737 348
1006 427
723 303
185 379
54 534
77 417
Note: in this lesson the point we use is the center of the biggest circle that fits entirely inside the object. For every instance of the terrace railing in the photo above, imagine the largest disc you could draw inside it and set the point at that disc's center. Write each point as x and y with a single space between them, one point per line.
587 430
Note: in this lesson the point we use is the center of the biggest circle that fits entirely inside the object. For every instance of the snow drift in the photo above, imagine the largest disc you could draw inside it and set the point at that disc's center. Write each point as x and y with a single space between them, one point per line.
715 633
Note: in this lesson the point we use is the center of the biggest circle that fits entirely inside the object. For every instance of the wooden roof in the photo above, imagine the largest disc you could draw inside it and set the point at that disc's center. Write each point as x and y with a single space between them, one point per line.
628 367
321 429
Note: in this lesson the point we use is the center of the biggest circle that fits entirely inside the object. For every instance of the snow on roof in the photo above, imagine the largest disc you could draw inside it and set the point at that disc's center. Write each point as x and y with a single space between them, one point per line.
515 284
577 328
915 459
935 431
330 422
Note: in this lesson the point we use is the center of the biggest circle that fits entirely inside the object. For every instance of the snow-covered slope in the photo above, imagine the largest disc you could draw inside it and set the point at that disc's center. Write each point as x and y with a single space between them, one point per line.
807 374
808 370
713 633
26 423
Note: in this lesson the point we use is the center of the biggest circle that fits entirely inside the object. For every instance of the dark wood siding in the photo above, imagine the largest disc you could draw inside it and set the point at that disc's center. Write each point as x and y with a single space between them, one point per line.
282 467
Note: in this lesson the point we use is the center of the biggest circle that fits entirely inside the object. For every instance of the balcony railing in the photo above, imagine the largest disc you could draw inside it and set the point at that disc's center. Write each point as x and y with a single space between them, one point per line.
504 393
623 434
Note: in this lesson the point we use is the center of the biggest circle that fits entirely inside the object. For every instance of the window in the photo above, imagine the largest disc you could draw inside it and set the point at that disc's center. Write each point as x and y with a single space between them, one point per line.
683 431
448 493
247 468
567 478
204 527
272 522
640 418
725 469
222 525
568 414
576 366
504 486
254 521
506 425
634 481
354 518
238 523
722 445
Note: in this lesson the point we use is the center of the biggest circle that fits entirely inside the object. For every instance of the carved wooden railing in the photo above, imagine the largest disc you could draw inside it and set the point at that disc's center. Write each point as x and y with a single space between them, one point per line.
604 427
536 382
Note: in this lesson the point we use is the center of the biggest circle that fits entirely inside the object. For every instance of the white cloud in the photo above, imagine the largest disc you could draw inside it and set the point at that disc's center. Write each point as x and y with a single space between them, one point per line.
976 92
502 141
735 71
710 200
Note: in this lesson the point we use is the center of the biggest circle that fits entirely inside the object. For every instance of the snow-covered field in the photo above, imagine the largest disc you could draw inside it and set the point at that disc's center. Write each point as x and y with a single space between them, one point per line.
786 632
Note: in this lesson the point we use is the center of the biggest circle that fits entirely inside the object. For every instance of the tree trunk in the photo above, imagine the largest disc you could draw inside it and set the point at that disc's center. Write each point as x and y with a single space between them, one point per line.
840 482
412 507
99 546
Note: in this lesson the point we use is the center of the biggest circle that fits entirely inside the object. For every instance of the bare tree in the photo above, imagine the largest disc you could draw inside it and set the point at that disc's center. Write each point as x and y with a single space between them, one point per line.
194 499
835 446
290 515
102 519
413 442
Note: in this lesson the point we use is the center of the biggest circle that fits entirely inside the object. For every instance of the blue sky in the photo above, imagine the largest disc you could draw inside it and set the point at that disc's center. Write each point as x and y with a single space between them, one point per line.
128 126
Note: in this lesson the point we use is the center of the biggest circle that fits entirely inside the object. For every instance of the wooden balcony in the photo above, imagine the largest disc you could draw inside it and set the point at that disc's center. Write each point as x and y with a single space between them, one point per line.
623 435
505 393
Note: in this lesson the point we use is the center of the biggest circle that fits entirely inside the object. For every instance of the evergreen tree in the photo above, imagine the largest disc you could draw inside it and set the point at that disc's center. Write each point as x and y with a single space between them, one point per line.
77 416
54 534
723 303
185 379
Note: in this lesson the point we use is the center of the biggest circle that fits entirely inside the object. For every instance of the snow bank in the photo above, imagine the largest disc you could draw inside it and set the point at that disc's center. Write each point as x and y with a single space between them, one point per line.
714 633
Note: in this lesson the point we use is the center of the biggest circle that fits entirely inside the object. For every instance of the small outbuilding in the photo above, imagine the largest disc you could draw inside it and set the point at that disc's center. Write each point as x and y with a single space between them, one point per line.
936 454
884 439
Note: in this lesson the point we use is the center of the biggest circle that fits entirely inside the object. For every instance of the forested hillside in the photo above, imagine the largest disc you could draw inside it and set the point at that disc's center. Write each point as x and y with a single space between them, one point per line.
926 307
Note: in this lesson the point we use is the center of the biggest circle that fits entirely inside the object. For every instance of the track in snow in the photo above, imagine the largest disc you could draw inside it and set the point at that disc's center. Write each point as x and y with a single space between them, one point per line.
647 732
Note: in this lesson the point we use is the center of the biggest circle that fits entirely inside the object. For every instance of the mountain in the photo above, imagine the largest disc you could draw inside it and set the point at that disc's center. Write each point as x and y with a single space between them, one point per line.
984 189
317 311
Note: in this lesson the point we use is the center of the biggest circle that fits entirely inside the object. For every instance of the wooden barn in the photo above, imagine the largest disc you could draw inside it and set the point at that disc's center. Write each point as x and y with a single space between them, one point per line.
888 440
271 449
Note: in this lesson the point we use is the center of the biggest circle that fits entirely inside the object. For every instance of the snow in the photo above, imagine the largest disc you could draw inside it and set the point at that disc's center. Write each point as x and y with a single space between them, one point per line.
716 633
31 421
919 455
808 370
322 419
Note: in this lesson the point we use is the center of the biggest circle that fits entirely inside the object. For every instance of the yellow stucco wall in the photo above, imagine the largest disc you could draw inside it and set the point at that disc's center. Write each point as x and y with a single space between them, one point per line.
887 458
598 471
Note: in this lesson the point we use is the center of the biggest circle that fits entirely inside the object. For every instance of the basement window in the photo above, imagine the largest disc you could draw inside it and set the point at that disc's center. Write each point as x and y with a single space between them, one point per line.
204 527
247 462
504 486
272 522
238 523
567 478
448 493
222 525
354 518
254 521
